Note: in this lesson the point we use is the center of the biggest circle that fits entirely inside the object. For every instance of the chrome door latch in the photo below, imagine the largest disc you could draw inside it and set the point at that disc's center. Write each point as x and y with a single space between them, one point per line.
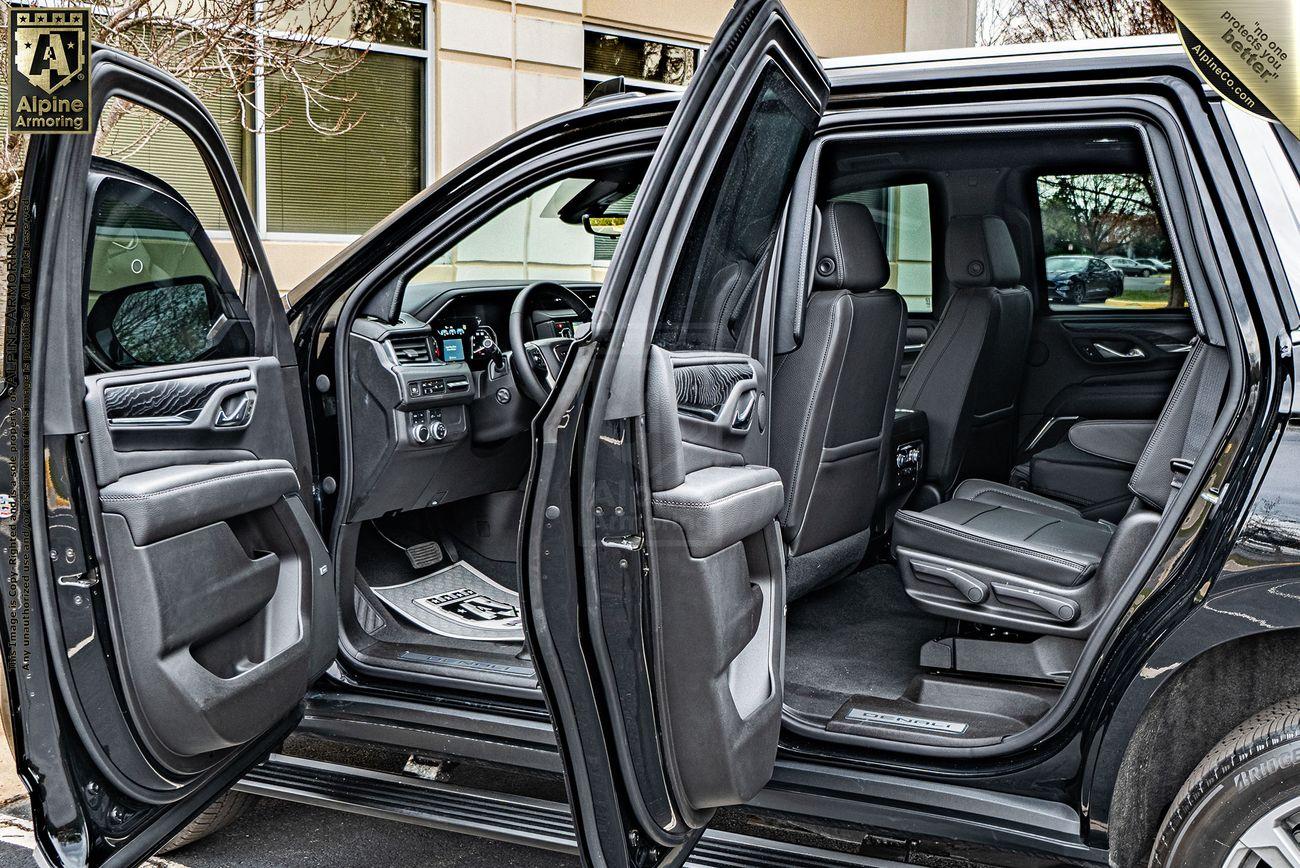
629 543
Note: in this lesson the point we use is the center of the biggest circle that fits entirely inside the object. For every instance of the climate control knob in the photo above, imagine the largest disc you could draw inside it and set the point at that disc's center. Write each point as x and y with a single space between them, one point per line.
439 431
420 433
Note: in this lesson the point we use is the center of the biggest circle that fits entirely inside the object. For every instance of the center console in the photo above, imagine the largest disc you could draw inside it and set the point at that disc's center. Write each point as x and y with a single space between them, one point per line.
433 410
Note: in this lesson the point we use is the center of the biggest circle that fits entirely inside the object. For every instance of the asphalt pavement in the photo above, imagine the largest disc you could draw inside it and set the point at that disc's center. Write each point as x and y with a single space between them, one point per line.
276 833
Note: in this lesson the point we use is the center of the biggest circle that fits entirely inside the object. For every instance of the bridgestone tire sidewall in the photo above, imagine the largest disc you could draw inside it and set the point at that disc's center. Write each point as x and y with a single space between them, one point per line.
1221 816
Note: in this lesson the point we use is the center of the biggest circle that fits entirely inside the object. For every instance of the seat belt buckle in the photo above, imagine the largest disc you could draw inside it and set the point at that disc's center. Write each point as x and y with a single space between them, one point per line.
1181 467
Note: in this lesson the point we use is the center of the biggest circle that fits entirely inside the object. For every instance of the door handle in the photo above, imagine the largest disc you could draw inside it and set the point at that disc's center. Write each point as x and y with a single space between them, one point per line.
1175 349
1108 352
745 412
236 411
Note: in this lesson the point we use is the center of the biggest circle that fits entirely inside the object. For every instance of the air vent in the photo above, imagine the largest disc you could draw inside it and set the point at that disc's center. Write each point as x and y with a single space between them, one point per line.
411 351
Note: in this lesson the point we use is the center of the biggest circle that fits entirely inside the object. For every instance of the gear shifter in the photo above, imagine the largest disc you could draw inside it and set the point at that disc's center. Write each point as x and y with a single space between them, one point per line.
496 358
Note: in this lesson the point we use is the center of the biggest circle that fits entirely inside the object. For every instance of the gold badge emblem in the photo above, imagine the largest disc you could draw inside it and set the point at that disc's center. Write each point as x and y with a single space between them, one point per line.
50 70
1247 51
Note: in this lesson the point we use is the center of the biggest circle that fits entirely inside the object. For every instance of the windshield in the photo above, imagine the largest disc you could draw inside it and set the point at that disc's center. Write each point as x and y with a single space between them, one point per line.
1061 263
541 236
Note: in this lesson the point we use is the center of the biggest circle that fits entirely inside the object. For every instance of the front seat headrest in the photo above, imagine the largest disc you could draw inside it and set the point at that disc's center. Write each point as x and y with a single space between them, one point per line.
979 252
849 253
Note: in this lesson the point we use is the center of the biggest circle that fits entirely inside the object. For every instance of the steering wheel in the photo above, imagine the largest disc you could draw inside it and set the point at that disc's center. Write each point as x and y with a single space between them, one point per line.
537 363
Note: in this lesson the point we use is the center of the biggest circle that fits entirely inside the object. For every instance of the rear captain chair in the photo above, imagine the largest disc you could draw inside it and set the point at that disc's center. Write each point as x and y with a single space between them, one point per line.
967 379
833 402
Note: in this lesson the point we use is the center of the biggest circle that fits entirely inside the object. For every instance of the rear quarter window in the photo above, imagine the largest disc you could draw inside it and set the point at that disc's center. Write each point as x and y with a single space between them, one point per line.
1105 244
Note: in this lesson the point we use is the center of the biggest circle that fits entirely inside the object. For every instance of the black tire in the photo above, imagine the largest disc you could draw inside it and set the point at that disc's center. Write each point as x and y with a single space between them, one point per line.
225 810
1254 770
1078 295
1146 272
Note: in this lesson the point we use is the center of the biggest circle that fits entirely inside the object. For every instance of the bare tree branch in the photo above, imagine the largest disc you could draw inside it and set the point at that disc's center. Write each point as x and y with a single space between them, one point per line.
220 48
1007 22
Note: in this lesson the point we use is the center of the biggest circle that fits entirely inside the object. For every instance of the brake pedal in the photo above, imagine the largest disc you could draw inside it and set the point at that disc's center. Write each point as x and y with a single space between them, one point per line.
424 555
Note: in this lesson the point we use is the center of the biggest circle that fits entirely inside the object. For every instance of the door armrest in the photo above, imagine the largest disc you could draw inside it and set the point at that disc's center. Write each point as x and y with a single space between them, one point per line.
719 506
173 500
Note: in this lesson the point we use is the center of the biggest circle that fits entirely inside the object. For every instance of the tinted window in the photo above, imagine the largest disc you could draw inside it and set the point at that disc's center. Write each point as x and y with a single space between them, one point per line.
1115 217
157 290
734 228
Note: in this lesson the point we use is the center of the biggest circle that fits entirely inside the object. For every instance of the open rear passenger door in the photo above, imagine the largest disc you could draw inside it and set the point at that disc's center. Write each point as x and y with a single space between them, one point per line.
170 597
654 586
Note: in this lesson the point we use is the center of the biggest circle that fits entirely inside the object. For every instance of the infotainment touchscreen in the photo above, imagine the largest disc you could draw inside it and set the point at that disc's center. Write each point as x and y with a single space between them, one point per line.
453 349
453 339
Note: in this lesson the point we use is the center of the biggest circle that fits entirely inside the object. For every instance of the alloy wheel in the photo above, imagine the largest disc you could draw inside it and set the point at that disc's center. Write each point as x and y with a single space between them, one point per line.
1270 841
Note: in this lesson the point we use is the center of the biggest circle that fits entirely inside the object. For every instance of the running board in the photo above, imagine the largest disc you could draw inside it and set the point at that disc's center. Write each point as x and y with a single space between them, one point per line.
513 819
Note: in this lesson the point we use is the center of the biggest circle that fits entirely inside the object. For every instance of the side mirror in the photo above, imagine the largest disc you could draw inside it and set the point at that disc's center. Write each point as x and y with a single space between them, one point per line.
605 226
165 322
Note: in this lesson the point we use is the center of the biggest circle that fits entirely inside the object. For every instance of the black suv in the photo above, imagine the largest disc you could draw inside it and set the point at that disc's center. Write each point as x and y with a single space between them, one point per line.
788 504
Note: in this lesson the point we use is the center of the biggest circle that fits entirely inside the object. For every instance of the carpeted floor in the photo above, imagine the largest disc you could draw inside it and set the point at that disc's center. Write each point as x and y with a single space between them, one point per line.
858 636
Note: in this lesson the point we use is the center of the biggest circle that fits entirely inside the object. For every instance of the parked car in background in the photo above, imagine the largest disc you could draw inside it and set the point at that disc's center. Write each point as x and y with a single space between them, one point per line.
1129 266
1078 279
1159 266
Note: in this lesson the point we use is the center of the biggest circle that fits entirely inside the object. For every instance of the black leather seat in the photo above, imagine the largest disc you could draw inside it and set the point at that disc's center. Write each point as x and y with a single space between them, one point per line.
833 401
722 309
997 555
1090 470
967 379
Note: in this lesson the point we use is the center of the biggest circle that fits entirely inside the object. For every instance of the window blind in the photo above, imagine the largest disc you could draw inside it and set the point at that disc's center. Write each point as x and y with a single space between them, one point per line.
145 140
344 184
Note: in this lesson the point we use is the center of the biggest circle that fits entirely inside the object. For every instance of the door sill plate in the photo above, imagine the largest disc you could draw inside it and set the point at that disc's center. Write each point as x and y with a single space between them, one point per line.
862 715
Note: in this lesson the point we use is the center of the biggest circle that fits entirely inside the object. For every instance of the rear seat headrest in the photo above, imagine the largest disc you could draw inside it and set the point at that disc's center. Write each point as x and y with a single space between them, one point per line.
979 252
849 253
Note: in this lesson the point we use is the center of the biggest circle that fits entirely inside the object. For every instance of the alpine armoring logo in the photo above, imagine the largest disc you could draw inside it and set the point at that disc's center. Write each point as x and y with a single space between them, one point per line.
49 71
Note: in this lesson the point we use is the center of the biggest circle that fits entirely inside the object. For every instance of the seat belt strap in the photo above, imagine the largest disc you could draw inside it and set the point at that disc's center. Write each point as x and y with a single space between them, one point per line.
1209 398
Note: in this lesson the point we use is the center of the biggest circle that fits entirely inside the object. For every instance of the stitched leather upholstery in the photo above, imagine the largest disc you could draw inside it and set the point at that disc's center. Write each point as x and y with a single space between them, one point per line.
172 500
1042 565
997 494
833 399
1056 547
715 506
967 379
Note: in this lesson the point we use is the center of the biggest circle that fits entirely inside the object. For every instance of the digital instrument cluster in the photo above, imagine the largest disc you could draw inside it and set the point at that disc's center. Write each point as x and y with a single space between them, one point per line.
464 339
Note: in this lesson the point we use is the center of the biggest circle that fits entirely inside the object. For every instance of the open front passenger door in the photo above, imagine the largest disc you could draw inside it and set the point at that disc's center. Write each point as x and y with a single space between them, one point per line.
655 572
169 597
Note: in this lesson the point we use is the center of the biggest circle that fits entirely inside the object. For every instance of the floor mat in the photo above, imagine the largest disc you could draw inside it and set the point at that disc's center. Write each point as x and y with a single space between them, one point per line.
860 636
457 601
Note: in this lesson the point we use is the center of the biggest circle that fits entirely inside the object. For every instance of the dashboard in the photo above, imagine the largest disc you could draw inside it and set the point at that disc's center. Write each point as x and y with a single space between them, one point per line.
470 321
435 413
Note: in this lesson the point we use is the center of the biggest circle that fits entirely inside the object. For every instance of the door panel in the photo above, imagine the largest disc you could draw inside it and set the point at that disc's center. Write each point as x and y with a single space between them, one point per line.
1105 366
1110 366
654 585
200 505
191 600
715 535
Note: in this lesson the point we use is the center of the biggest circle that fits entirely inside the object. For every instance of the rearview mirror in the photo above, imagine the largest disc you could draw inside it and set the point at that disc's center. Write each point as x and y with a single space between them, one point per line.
605 226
